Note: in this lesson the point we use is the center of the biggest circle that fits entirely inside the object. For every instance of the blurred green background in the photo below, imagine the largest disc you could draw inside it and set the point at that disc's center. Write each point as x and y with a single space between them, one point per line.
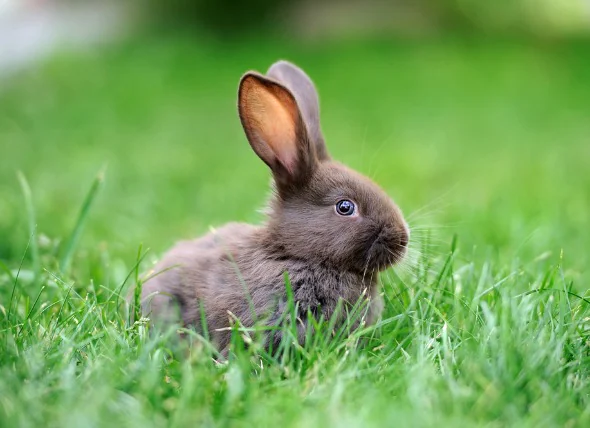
474 117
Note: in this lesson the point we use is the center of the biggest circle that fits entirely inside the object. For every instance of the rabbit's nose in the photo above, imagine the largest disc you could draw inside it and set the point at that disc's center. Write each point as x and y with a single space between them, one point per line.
404 238
404 234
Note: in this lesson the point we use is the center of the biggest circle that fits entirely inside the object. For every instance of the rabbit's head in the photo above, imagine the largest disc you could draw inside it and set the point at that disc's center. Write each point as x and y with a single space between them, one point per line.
323 212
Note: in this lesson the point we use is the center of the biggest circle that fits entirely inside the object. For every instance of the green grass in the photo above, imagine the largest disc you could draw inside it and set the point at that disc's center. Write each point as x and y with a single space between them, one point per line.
487 143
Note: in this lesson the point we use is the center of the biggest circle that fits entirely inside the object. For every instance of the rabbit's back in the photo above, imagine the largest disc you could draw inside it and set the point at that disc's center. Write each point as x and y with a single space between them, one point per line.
195 273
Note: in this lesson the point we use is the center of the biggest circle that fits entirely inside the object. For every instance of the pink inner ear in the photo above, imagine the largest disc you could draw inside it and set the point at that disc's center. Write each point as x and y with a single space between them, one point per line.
272 116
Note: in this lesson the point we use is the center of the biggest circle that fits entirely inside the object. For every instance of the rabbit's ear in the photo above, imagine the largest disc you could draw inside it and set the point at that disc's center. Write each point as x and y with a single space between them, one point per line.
306 95
274 127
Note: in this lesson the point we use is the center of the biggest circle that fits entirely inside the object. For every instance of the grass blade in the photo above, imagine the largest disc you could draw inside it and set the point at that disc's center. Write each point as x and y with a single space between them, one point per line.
138 286
72 242
32 225
12 295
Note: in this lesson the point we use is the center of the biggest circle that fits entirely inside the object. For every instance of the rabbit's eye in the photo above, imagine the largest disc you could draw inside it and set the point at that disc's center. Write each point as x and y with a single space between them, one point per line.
345 207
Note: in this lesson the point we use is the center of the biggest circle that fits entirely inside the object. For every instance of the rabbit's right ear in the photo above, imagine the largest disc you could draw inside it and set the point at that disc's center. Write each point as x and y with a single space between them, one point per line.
275 130
307 98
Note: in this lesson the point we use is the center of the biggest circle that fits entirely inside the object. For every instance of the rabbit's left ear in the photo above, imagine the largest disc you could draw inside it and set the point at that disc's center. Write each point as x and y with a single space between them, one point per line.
273 124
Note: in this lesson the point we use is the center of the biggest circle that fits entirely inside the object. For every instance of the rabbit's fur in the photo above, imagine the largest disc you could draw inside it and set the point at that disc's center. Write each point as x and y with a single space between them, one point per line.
239 268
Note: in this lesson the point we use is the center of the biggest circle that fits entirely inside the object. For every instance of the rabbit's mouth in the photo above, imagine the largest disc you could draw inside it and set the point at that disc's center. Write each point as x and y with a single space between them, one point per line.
387 249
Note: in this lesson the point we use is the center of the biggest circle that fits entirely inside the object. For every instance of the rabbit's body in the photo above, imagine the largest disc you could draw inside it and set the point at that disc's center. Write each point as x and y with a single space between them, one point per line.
329 228
239 271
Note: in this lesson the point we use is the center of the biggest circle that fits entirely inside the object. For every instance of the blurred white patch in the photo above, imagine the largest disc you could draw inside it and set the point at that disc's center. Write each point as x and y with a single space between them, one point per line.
33 29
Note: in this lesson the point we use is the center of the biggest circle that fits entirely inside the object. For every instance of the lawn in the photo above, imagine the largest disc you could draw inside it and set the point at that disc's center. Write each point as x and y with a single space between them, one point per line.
124 149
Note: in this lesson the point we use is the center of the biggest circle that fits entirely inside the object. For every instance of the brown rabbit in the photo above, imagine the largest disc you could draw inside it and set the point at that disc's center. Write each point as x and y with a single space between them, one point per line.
330 228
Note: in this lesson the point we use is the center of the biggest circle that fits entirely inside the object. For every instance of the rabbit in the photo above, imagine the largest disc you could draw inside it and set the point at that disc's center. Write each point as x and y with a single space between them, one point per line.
331 229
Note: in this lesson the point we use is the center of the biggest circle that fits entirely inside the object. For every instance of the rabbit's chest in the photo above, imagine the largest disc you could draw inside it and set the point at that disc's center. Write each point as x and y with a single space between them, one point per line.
322 289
